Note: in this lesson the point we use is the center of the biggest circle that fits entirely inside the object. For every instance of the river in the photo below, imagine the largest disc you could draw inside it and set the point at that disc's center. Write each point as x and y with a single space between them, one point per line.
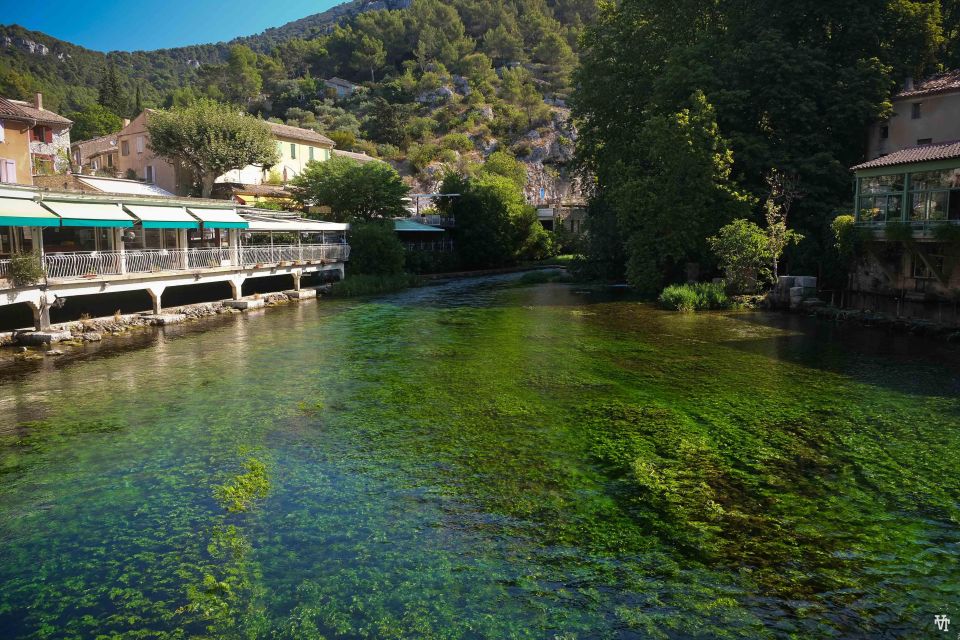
483 459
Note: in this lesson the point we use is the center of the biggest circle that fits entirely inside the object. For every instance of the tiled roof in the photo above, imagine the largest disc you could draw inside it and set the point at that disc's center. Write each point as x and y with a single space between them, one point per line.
341 82
359 157
10 110
41 115
923 153
940 83
286 131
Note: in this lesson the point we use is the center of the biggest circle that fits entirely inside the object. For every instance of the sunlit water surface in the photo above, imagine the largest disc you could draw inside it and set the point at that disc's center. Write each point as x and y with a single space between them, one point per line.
483 460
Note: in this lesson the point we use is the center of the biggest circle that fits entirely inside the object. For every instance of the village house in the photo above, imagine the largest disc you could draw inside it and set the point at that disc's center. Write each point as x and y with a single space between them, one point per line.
340 87
908 210
924 112
96 156
15 129
33 140
296 148
49 137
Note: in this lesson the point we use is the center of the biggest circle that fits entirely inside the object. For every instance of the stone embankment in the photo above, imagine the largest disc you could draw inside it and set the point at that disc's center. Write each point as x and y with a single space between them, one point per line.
96 329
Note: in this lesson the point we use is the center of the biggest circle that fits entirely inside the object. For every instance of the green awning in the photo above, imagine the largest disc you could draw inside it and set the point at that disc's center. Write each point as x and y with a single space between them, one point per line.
410 225
20 212
162 216
219 218
89 214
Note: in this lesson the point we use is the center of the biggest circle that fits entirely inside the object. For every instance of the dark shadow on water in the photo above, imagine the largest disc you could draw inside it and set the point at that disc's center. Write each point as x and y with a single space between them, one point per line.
903 363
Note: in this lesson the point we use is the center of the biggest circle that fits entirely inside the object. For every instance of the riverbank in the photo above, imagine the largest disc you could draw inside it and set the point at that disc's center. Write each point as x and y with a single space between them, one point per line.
62 337
877 320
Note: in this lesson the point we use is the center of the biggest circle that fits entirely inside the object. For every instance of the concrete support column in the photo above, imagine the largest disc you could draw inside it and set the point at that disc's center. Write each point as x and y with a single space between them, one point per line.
236 285
119 245
38 240
155 296
233 242
182 246
297 274
41 314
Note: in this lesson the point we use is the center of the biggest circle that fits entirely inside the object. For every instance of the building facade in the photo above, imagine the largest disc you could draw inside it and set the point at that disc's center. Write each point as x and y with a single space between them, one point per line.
96 156
908 220
924 112
15 164
33 141
296 148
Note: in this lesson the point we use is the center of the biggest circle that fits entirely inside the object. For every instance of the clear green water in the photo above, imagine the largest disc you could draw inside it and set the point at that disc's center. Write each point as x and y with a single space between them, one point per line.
482 460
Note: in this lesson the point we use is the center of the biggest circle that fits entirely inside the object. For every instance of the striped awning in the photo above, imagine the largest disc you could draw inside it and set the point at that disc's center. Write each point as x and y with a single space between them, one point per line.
20 212
162 216
89 214
218 218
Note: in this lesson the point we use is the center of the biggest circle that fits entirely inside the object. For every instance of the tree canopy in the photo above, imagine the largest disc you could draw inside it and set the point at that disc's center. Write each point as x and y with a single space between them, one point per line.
354 191
211 139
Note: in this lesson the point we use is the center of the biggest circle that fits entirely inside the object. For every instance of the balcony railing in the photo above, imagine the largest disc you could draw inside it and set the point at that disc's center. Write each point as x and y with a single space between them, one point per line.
89 264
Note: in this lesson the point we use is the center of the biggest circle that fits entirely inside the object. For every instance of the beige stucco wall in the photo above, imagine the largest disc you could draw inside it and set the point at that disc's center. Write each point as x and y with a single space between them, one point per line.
939 120
164 173
16 147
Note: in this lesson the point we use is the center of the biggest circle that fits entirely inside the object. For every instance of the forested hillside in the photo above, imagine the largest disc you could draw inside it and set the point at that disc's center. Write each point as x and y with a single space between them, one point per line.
444 83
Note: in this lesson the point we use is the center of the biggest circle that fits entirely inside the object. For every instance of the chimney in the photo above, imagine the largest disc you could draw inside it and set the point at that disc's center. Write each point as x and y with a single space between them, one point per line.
38 100
908 83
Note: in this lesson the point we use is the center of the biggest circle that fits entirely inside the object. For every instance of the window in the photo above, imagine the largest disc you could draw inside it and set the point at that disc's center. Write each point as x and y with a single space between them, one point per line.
293 150
922 141
125 148
884 132
881 198
2 132
935 195
311 154
915 110
110 160
8 170
140 144
41 133
149 173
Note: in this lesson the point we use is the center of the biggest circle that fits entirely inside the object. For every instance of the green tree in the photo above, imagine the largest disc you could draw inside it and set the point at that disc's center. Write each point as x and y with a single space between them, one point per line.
503 45
137 102
494 224
94 121
110 93
375 248
354 191
211 139
386 122
558 59
369 54
502 163
744 254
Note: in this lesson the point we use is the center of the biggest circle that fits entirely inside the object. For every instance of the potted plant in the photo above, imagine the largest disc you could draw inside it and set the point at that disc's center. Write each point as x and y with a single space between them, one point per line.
26 269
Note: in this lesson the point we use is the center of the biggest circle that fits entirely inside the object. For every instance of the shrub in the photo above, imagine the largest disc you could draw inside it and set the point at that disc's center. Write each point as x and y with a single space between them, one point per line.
947 232
694 297
369 285
26 269
744 253
457 142
898 231
375 249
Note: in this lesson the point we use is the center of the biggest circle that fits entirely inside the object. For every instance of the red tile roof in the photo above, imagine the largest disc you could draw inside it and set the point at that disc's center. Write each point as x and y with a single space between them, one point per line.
922 153
10 110
44 116
940 83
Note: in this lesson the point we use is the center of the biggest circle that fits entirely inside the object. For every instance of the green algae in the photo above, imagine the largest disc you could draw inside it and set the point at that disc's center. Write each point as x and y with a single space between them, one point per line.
483 461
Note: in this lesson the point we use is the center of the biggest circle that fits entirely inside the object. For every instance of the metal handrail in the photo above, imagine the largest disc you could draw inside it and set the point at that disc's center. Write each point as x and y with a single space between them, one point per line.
82 264
4 269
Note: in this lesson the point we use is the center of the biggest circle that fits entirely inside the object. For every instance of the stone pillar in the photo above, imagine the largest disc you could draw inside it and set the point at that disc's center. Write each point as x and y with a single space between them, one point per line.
236 285
155 295
119 245
297 274
182 246
233 242
41 313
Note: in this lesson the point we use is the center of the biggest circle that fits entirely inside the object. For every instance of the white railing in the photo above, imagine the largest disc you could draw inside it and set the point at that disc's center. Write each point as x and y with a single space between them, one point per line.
437 245
4 269
104 263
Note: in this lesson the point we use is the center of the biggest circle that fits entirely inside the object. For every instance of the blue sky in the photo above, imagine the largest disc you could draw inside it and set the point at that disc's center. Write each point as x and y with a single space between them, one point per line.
108 25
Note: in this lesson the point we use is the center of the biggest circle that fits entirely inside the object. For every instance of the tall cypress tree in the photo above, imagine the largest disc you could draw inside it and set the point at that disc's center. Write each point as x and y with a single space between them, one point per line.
138 103
110 93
